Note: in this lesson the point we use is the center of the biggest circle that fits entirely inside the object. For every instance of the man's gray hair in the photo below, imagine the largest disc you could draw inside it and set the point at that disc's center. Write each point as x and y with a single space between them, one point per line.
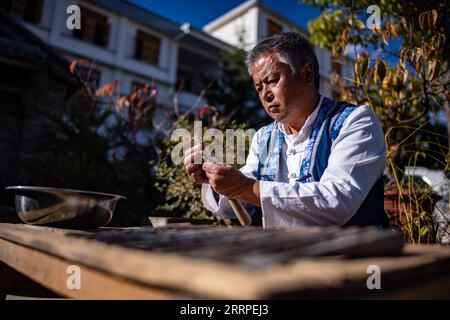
292 49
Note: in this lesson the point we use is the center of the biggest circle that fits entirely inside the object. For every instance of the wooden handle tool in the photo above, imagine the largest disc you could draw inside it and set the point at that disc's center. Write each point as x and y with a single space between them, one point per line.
240 212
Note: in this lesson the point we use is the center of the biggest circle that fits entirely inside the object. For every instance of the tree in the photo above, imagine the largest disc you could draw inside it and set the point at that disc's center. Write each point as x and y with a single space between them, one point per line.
233 90
402 67
95 146
401 70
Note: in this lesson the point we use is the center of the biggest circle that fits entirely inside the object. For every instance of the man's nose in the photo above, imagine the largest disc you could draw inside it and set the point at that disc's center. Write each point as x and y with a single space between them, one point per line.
267 94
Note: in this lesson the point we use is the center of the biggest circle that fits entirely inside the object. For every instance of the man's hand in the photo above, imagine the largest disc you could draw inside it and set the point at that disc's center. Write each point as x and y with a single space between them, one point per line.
194 170
232 183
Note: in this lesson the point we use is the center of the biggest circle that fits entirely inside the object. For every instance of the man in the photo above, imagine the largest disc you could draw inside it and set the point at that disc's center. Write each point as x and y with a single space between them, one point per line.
319 162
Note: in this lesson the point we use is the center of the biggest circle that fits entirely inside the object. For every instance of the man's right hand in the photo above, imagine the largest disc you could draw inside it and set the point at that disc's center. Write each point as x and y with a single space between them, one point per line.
194 170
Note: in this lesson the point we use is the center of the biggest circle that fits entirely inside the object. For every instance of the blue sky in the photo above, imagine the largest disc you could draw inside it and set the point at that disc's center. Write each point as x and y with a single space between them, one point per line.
200 12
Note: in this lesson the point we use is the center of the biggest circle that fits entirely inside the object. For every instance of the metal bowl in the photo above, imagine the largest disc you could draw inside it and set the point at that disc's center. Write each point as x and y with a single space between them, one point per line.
64 208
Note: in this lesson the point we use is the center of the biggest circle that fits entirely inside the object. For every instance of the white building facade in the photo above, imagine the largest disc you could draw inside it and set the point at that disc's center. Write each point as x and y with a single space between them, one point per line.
138 47
252 21
126 43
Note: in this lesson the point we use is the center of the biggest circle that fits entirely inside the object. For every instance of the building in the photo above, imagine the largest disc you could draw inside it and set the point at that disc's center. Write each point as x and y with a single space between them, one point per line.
136 46
252 21
127 43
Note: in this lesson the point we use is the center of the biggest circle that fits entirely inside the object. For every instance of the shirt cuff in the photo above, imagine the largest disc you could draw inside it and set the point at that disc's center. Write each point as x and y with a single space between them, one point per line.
220 207
208 199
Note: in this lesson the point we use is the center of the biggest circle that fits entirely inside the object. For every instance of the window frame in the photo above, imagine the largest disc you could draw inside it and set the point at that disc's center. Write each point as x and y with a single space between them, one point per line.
95 28
153 43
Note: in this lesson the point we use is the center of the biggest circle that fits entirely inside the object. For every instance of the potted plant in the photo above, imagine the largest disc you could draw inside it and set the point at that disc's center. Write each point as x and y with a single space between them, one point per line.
411 211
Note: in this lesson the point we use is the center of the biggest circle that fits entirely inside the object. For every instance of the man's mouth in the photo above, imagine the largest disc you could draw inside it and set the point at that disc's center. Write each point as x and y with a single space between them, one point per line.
274 109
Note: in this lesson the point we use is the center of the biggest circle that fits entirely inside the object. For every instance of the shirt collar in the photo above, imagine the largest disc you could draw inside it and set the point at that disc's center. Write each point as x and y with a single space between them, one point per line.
308 123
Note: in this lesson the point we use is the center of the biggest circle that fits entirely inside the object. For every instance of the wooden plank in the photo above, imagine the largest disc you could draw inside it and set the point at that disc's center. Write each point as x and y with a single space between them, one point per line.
204 278
337 277
211 279
52 274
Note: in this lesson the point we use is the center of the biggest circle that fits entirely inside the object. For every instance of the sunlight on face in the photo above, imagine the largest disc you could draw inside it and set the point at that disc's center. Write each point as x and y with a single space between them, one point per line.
280 92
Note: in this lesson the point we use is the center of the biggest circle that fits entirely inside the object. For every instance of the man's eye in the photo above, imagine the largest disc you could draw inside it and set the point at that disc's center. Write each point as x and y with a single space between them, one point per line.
258 89
273 80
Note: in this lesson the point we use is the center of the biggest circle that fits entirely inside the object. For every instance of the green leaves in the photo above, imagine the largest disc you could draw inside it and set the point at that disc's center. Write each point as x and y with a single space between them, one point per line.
326 29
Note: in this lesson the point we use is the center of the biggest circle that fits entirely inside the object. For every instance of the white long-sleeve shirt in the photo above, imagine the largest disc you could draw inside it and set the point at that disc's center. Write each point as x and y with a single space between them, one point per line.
356 161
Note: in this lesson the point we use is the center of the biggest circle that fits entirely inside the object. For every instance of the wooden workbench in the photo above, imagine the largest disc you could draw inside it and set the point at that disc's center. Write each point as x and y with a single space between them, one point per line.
191 263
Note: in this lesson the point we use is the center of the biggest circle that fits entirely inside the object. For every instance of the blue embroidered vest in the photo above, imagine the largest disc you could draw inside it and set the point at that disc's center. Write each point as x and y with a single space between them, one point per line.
327 125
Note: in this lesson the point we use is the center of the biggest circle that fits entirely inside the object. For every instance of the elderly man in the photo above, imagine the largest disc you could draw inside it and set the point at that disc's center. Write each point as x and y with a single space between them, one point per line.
319 163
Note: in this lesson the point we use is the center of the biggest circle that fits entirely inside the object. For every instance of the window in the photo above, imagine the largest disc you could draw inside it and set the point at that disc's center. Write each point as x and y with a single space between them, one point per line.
91 76
273 27
147 48
94 28
28 10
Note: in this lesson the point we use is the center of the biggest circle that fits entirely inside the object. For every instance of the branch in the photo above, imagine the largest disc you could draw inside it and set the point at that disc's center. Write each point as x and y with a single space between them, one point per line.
414 119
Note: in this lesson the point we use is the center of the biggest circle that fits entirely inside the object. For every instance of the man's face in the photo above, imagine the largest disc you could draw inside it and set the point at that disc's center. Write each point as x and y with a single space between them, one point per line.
280 92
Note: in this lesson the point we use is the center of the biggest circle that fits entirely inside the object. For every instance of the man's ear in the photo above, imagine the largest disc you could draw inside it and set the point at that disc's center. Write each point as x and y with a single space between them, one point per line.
308 73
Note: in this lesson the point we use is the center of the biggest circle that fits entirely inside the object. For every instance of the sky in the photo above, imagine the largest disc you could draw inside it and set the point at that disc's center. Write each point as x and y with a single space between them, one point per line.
201 12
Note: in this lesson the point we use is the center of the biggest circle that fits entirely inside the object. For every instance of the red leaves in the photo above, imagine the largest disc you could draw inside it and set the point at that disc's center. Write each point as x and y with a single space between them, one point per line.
145 96
106 90
123 102
395 148
153 93
203 111
74 63
133 96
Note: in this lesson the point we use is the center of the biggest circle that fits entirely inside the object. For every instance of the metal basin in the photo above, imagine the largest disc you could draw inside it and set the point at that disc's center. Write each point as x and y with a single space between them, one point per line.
64 208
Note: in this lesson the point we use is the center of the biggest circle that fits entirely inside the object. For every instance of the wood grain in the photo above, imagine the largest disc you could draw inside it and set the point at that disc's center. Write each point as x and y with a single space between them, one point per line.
199 277
161 274
51 272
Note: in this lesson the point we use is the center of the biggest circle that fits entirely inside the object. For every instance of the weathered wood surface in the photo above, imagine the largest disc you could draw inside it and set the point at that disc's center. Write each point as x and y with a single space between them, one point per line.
133 264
